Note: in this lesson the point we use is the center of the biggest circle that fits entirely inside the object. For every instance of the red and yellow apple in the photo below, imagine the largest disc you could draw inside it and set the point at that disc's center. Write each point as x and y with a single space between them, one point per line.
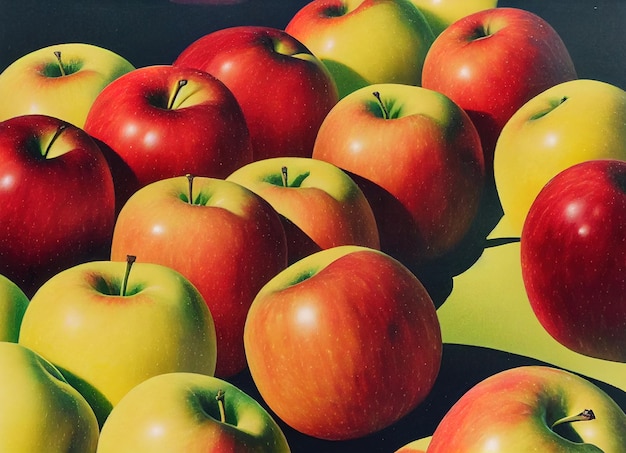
441 13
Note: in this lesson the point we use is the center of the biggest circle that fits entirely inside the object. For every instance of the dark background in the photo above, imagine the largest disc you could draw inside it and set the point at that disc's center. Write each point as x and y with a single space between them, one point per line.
155 31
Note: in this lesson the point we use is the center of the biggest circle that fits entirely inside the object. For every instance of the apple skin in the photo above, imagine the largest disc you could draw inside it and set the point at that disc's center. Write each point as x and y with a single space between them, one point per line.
573 250
421 170
441 13
13 303
185 417
353 40
341 335
58 209
564 125
202 132
40 410
416 446
513 410
283 89
337 212
105 343
33 84
229 243
493 61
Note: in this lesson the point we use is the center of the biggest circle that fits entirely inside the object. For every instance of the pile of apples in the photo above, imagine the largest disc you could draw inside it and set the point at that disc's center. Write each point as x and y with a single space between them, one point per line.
270 204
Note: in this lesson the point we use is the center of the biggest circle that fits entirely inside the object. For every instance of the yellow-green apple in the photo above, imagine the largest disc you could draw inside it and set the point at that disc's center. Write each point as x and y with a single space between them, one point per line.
566 124
13 303
365 42
283 89
343 343
441 13
108 328
57 198
224 238
415 446
192 413
163 121
39 410
532 408
61 80
320 205
493 61
417 157
573 251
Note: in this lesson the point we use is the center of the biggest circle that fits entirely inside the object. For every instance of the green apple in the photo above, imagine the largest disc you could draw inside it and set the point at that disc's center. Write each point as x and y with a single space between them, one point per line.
363 42
564 125
13 303
108 329
337 212
61 80
39 410
190 413
532 408
441 13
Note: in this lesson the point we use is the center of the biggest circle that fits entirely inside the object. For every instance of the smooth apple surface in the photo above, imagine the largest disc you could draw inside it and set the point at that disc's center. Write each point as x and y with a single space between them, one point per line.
316 200
441 13
525 409
418 159
564 125
365 42
193 413
343 343
573 252
61 80
224 238
283 89
13 303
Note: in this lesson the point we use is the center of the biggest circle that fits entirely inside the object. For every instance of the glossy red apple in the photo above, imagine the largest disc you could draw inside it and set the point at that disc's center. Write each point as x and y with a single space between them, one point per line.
284 90
573 254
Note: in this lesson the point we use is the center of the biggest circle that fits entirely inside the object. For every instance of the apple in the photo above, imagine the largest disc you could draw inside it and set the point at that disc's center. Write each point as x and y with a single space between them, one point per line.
493 61
365 42
165 121
415 446
441 13
40 411
573 251
193 413
13 303
417 157
283 89
107 329
57 198
564 125
532 408
61 80
336 211
224 238
343 343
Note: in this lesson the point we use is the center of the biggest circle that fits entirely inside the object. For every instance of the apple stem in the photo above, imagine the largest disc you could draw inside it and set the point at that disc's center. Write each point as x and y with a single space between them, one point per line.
58 132
284 176
181 83
190 179
130 259
57 54
382 105
585 415
220 404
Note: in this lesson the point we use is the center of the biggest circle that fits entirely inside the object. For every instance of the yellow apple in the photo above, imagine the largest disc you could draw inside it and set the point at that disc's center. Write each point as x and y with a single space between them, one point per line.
441 13
13 303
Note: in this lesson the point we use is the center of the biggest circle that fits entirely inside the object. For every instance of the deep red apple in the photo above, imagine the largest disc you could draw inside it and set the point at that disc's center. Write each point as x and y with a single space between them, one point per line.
573 254
284 90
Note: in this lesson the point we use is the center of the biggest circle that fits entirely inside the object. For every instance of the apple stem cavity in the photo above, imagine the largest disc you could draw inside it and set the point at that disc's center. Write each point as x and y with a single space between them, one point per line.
130 259
190 180
57 54
220 404
56 135
283 172
181 83
584 416
381 104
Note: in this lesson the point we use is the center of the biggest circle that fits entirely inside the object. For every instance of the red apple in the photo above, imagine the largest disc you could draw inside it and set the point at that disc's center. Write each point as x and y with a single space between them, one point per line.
343 343
573 254
57 198
164 121
284 90
493 61
418 159
224 238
